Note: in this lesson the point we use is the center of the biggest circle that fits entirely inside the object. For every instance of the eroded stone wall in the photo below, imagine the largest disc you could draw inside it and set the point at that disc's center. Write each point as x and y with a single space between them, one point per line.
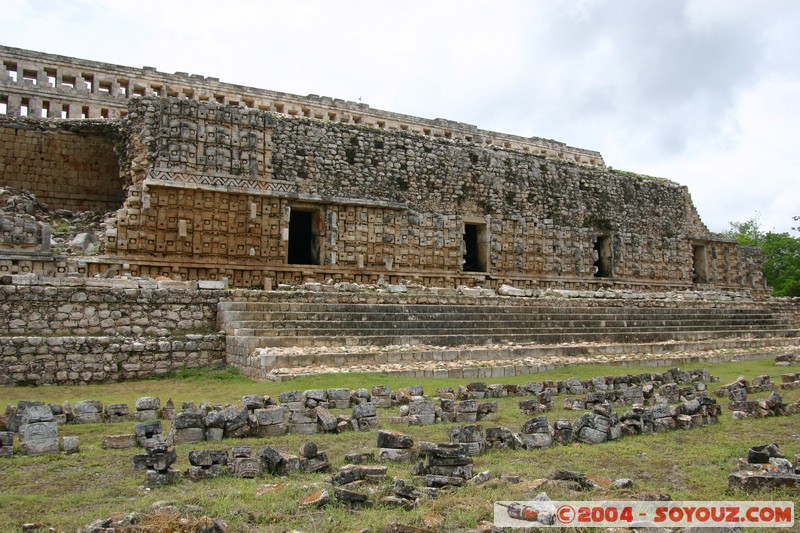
97 310
221 184
66 165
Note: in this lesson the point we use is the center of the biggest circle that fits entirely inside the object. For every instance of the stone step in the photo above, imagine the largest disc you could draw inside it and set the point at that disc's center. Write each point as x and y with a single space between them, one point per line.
232 311
492 363
623 335
404 317
367 328
463 322
496 331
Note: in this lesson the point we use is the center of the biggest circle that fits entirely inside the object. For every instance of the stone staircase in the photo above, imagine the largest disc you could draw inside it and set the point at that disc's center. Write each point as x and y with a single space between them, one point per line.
325 330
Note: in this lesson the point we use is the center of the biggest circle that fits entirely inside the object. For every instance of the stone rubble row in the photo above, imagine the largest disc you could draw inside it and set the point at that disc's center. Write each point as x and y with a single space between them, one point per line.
765 468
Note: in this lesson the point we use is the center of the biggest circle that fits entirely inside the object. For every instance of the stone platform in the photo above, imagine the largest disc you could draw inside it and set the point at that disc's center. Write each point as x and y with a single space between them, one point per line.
490 336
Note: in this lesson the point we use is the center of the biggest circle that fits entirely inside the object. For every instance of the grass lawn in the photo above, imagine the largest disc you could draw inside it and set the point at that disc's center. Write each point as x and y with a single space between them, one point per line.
70 491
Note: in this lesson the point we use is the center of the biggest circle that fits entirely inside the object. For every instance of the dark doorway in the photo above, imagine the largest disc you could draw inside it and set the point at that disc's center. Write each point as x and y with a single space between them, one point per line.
303 240
474 248
604 253
699 264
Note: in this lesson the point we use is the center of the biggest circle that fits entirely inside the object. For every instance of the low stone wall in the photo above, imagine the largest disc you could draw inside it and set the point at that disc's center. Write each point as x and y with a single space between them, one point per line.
81 360
75 306
78 330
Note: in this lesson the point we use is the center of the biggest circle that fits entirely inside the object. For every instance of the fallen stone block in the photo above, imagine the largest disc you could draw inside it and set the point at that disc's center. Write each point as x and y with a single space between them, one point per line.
269 416
156 479
393 439
395 455
208 457
70 445
349 496
757 481
147 403
199 473
360 458
88 412
328 423
117 412
188 435
318 463
435 481
119 442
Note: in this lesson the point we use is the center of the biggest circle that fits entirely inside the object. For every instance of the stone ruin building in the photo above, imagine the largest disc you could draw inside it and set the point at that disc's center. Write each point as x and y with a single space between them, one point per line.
209 180
193 195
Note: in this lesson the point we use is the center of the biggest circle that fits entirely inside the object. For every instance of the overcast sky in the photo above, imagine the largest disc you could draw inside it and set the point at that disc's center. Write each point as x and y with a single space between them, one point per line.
703 92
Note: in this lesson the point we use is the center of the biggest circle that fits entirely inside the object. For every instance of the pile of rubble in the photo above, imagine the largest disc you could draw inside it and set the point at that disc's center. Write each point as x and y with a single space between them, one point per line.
37 426
61 232
790 381
766 468
738 390
772 406
157 461
449 465
787 359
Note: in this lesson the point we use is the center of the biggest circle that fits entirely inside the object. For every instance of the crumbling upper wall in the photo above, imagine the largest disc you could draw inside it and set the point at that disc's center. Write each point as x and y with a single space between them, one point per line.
222 146
54 86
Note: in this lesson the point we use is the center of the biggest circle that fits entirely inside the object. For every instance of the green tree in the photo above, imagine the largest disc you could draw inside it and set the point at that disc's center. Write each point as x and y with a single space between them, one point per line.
781 254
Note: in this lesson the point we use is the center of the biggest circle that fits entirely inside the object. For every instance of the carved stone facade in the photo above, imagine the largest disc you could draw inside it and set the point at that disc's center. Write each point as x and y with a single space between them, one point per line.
262 188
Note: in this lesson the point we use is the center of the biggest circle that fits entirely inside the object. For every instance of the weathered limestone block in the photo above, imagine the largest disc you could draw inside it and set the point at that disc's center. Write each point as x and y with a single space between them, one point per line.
314 397
147 431
88 412
359 458
470 438
327 421
364 416
291 396
422 412
537 433
270 415
6 441
39 438
252 402
116 442
393 439
148 403
155 460
30 412
188 419
70 445
500 437
487 411
340 398
161 478
117 412
208 457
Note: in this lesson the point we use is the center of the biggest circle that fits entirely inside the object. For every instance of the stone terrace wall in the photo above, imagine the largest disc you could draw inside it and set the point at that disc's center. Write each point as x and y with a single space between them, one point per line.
99 331
125 310
788 308
80 360
66 164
